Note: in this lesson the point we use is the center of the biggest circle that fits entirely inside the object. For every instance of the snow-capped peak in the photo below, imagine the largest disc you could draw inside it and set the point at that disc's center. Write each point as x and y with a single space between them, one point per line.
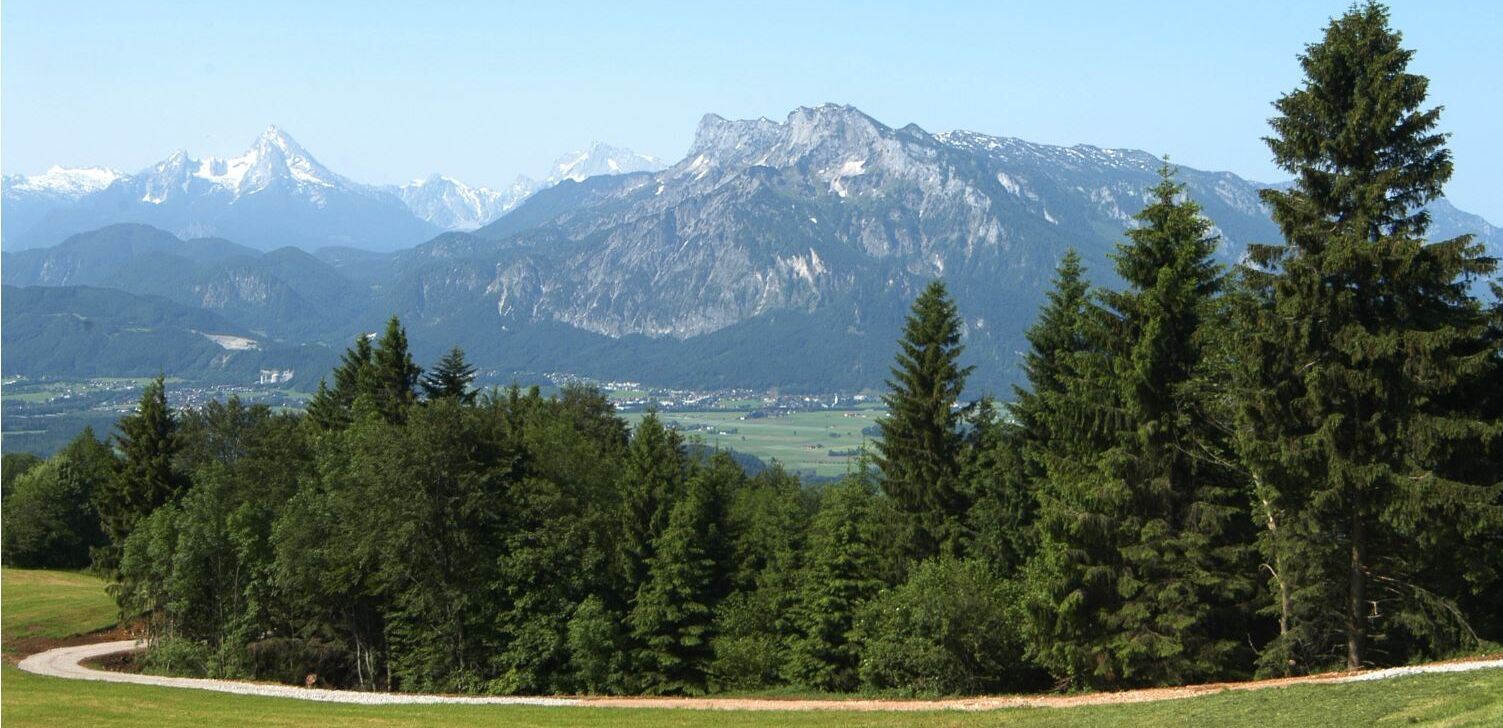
274 159
454 205
274 156
601 159
65 181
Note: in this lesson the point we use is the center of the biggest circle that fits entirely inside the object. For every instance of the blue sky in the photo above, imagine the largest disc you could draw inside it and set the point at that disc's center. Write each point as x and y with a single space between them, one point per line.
482 91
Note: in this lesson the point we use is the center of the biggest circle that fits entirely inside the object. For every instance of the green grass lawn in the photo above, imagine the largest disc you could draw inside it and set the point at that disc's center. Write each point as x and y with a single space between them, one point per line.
801 441
51 604
1466 699
58 604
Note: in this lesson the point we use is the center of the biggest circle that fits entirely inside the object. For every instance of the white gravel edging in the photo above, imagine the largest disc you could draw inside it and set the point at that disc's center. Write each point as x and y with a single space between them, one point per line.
64 662
1391 672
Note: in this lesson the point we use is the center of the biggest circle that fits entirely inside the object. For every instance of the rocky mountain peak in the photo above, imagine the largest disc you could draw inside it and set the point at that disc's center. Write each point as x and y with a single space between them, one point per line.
274 157
830 142
454 205
833 121
600 158
718 138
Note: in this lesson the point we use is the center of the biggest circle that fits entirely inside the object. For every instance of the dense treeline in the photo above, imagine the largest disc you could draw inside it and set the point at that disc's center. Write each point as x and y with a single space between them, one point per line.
1212 473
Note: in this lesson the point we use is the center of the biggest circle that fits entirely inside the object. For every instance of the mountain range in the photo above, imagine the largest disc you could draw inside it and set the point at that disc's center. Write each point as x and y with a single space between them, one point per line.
274 194
772 254
453 205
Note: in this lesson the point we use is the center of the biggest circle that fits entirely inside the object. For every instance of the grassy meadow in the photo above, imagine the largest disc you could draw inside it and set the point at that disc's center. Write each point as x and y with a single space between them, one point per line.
51 605
801 441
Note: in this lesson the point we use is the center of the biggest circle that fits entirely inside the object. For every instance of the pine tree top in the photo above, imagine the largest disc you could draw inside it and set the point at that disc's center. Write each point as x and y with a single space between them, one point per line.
1356 125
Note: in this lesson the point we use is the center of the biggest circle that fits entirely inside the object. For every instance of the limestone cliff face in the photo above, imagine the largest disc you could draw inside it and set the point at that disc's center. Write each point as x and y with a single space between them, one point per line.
821 210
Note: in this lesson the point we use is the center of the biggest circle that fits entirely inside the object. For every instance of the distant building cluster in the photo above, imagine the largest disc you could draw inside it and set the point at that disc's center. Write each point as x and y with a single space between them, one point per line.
275 376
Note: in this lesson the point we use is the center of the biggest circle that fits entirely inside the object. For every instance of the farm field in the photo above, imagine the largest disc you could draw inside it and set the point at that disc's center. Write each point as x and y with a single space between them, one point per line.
802 441
59 604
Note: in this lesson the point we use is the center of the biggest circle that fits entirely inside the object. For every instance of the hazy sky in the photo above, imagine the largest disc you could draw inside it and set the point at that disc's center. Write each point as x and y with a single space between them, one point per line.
482 91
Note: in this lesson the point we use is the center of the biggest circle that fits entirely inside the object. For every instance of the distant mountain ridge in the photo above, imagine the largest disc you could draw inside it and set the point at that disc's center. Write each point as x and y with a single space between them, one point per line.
284 294
274 194
81 331
772 254
453 205
829 221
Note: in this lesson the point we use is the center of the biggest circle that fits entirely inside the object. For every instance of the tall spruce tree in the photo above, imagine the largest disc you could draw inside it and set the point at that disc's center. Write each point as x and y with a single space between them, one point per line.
146 476
331 407
1045 420
839 575
919 453
652 481
1052 339
672 616
451 378
1144 555
1368 348
393 375
1186 562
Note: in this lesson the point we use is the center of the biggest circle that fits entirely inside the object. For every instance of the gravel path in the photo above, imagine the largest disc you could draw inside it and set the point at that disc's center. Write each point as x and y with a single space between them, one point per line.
64 662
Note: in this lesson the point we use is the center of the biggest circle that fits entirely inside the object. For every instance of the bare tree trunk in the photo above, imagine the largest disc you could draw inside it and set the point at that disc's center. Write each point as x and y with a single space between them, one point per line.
1355 629
1286 599
359 666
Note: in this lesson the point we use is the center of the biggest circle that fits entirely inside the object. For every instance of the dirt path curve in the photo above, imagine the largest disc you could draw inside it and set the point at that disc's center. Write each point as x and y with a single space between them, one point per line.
64 662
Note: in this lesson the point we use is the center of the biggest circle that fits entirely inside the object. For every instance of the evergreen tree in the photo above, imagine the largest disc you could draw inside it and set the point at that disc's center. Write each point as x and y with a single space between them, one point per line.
1047 423
322 408
672 615
1371 350
1143 560
651 482
1054 337
919 453
393 376
1185 567
331 407
839 576
145 476
451 378
1003 506
768 521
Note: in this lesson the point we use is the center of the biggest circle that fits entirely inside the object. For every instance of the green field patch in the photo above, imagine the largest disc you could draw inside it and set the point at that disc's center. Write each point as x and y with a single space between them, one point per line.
34 397
821 442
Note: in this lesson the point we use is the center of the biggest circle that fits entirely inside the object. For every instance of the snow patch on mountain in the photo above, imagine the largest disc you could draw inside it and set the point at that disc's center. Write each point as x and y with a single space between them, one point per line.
454 205
600 159
66 182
